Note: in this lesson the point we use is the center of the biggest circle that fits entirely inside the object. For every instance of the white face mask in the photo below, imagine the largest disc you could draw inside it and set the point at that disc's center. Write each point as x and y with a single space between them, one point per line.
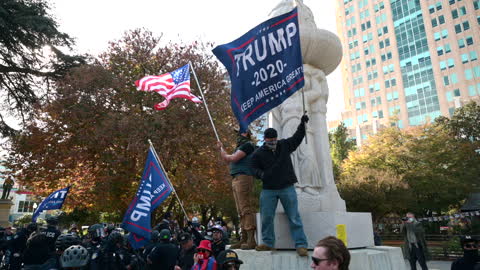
272 145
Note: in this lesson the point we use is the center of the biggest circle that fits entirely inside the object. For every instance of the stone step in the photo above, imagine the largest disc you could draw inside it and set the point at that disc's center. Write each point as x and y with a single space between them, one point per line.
374 258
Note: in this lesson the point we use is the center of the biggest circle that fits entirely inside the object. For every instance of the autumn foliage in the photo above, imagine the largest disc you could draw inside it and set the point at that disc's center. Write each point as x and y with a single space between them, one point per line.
93 134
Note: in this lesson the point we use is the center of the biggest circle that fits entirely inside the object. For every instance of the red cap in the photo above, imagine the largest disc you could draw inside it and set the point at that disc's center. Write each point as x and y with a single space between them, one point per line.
206 244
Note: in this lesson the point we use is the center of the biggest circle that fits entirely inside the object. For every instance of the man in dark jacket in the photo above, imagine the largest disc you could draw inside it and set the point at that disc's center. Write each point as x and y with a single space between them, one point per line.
51 232
415 247
218 242
470 259
273 165
164 255
18 244
242 186
188 249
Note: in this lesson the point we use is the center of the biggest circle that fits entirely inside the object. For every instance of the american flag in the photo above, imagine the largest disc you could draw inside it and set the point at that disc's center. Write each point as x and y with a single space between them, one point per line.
175 84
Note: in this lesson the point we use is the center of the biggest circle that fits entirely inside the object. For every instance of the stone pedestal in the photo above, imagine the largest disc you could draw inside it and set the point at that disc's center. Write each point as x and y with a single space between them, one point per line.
375 258
318 225
5 206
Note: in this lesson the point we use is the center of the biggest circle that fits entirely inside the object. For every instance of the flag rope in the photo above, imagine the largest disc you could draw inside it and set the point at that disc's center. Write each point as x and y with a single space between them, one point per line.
168 179
204 100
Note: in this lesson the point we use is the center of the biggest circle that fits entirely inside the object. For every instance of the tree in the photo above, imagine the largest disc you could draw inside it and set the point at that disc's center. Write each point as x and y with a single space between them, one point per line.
340 146
30 57
464 124
426 168
93 133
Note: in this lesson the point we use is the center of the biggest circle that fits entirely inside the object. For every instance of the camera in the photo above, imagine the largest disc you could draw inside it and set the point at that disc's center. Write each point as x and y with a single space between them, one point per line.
404 218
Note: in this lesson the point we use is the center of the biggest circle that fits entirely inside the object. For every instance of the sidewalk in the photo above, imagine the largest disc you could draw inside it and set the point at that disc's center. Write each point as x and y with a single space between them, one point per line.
434 265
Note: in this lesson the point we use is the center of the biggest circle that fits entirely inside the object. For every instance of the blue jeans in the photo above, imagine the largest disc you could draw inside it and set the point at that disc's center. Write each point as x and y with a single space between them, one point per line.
268 204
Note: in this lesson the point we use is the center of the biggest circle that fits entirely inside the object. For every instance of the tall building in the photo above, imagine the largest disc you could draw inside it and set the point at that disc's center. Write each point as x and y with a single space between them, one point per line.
407 62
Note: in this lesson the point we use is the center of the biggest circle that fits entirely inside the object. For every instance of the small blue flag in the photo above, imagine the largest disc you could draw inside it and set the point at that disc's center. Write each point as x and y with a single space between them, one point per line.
137 241
53 201
265 67
153 190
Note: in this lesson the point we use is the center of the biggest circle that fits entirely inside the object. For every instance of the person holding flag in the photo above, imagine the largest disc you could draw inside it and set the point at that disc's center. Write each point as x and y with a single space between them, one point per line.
266 68
273 165
242 186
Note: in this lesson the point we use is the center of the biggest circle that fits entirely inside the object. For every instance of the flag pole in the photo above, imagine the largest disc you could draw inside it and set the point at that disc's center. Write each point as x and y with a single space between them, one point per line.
168 179
304 112
204 100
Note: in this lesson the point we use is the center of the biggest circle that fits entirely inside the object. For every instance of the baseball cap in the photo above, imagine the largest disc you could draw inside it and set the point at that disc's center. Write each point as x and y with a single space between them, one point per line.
227 256
270 133
184 237
165 234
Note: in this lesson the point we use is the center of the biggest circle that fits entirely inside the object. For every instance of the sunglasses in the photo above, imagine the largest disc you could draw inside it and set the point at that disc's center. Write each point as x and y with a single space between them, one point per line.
202 250
317 261
232 266
470 246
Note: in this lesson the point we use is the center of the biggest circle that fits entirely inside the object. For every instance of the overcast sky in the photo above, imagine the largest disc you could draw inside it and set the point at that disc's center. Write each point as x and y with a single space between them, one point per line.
95 22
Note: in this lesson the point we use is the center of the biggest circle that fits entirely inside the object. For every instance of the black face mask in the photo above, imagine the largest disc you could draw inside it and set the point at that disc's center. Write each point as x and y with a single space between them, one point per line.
242 140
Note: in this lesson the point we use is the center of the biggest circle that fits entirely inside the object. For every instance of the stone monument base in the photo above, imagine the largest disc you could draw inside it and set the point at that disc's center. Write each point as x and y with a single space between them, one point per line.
374 258
5 206
318 225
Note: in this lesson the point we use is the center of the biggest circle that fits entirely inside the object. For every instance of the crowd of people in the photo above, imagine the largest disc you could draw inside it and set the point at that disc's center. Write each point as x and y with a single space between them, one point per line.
107 247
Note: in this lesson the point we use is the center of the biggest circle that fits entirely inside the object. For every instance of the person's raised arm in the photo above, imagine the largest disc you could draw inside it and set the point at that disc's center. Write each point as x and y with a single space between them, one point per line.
235 157
293 142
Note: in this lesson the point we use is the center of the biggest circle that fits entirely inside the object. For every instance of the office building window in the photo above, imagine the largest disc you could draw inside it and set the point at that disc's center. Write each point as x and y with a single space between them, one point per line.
468 74
462 10
464 58
438 6
476 71
444 33
466 25
434 22
450 62
447 48
449 96
458 28
454 14
473 55
443 65
379 6
440 50
471 91
461 43
446 81
476 4
431 9
441 19
456 92
469 40
454 78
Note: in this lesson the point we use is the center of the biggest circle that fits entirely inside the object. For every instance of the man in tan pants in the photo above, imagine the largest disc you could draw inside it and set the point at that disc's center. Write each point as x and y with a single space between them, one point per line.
242 185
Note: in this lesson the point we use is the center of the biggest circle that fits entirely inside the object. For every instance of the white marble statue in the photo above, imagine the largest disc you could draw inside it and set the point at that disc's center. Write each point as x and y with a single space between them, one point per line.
322 52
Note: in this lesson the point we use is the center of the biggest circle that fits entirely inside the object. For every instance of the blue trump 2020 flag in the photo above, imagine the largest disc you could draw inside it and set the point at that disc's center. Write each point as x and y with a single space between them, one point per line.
265 66
153 190
53 201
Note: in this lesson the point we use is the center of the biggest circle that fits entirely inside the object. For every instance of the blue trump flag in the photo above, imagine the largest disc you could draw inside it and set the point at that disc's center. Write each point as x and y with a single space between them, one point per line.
53 201
265 66
153 190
